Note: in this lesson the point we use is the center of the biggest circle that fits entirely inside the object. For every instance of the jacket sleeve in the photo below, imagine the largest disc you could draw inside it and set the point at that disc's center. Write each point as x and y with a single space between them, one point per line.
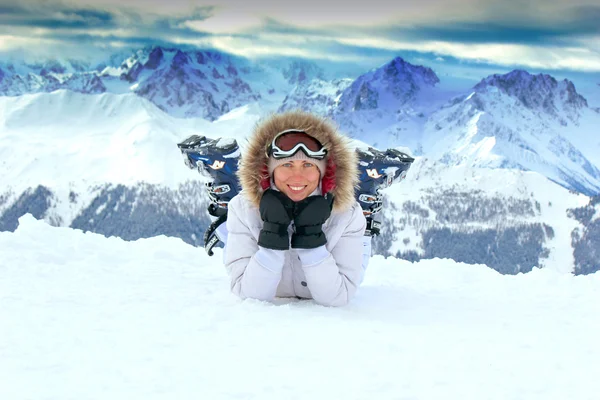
254 271
333 276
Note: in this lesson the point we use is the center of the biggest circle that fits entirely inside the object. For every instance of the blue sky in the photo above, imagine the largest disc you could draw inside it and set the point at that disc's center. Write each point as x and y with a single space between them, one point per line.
460 36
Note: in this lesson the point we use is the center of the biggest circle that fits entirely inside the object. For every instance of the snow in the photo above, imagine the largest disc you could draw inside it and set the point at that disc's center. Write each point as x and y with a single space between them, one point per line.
427 177
84 316
98 139
596 214
111 71
75 143
432 118
557 146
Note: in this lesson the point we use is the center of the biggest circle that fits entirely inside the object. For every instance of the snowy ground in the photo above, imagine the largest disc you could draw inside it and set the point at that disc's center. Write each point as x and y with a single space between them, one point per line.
86 317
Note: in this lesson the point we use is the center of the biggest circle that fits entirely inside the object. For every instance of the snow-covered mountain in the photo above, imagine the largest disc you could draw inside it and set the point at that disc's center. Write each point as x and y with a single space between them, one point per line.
523 121
517 120
97 162
21 78
298 72
387 106
524 219
55 138
187 84
540 93
396 84
183 83
318 96
106 163
52 138
109 164
586 237
56 66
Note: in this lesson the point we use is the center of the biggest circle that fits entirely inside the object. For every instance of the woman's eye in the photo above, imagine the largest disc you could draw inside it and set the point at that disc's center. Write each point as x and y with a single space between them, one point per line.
308 165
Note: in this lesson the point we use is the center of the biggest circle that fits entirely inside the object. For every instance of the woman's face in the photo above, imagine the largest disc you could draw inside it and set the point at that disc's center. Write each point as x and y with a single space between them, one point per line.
297 178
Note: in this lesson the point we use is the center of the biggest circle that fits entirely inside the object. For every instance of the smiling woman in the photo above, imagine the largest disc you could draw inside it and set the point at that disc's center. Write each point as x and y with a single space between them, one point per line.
296 163
296 229
297 179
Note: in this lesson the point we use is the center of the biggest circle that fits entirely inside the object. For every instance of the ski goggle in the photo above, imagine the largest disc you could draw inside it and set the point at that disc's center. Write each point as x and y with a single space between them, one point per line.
288 142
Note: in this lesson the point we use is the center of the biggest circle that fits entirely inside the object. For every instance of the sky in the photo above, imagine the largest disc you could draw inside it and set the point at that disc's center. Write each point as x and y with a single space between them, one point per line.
537 35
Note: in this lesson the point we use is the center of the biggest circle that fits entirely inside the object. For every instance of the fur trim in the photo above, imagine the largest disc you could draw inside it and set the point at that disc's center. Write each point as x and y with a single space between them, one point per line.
341 176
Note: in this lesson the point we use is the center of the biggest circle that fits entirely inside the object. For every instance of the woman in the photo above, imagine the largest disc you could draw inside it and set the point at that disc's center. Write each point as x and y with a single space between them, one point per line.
296 229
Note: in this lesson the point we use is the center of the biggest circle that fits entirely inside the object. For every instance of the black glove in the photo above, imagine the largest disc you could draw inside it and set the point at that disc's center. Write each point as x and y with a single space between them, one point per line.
276 211
309 216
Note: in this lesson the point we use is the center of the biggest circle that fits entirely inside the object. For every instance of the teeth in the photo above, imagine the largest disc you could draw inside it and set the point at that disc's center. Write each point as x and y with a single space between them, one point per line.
296 187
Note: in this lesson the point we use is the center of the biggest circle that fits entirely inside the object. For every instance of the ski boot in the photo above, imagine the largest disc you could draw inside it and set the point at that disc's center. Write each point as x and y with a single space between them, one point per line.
378 170
216 159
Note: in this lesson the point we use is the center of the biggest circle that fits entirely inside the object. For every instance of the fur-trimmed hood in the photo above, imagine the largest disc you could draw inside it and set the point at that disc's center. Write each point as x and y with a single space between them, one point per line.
341 176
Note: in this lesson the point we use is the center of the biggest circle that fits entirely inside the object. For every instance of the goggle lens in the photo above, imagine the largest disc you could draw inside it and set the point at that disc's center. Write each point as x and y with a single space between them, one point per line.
287 141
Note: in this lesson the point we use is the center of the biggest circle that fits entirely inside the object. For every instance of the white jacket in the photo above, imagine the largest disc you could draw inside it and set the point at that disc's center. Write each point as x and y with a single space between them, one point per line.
329 274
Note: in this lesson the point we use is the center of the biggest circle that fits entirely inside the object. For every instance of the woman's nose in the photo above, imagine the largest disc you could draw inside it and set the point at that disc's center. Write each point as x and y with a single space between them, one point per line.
297 171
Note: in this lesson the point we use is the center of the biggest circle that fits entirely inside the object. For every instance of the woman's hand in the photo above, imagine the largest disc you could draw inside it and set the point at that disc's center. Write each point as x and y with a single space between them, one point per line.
276 211
309 216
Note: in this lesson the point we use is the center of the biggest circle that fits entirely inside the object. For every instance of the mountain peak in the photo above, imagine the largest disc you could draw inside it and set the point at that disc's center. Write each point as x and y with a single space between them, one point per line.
154 58
302 71
317 96
189 83
392 86
519 82
400 69
535 91
518 78
180 59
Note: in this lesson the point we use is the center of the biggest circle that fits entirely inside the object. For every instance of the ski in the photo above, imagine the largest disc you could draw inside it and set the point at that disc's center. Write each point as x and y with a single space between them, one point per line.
378 170
216 159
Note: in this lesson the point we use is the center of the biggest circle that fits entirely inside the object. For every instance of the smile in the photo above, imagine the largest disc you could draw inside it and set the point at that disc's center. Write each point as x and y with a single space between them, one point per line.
296 188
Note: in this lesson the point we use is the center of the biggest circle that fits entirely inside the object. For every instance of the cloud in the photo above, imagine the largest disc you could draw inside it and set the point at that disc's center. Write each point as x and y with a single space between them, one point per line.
37 25
539 57
269 46
543 34
49 17
226 22
10 42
